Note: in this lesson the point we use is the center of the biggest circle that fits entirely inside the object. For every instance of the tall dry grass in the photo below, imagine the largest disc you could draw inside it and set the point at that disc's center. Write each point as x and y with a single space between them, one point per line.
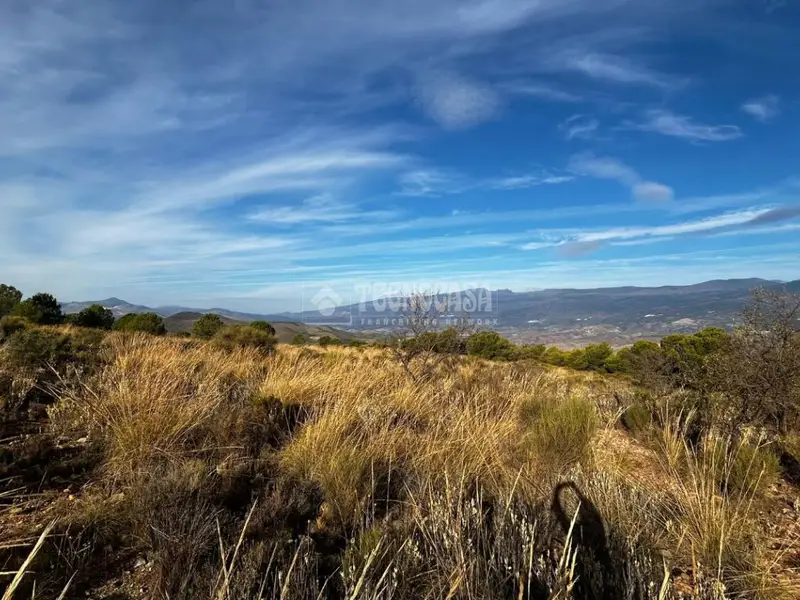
330 473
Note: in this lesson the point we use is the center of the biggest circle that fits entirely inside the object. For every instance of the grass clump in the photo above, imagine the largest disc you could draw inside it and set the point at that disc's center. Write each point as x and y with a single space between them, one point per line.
559 434
744 468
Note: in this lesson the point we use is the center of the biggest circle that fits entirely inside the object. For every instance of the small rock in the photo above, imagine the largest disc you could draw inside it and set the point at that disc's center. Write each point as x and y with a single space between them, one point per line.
82 440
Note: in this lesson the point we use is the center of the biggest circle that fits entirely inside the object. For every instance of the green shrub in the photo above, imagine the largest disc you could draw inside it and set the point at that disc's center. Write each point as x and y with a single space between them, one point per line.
34 348
490 345
558 433
299 339
244 336
637 418
576 359
555 356
144 322
534 352
327 340
263 326
42 309
207 326
95 317
619 362
10 297
743 469
10 325
596 356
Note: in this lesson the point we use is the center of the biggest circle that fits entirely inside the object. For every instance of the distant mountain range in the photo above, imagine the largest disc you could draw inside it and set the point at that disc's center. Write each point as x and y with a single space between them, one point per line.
619 312
121 307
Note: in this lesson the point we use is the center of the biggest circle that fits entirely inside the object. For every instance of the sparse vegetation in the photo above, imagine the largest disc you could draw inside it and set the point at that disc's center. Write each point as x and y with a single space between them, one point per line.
95 316
10 297
207 326
263 326
244 336
233 468
42 309
141 322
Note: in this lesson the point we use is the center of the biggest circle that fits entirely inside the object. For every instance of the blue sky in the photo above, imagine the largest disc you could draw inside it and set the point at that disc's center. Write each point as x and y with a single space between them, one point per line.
249 153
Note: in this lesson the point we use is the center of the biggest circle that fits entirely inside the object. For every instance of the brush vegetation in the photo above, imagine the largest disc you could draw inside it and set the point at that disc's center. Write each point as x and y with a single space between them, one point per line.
229 467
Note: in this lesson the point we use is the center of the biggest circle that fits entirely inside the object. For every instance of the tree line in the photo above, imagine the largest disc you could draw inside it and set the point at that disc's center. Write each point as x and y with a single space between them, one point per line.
44 309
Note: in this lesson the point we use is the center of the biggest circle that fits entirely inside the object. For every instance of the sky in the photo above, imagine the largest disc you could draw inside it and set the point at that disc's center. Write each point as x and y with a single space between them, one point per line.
250 154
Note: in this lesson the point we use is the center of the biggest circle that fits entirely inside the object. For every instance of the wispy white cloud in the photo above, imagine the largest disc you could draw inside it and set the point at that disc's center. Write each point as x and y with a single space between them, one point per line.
317 209
616 69
579 127
517 182
604 167
432 182
542 91
763 109
573 243
680 126
439 182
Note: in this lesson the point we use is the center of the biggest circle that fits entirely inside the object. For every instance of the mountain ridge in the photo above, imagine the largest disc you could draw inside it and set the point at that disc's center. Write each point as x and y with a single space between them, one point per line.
624 311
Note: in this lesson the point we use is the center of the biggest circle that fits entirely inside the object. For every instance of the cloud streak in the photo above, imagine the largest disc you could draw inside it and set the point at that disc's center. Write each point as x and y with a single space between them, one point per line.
763 109
604 167
683 127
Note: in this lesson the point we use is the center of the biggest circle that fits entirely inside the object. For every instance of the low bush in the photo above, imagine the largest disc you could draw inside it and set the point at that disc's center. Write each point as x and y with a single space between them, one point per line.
327 340
558 433
207 326
638 419
244 336
263 326
94 316
37 348
10 325
42 309
142 322
742 469
490 345
34 348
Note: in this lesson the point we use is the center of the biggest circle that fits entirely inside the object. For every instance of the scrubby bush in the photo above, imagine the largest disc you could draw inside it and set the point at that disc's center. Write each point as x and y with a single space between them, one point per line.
263 326
299 339
42 309
743 468
143 322
619 361
328 340
207 326
558 433
34 348
534 352
244 336
10 297
490 345
555 356
95 317
758 371
10 325
637 418
576 359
